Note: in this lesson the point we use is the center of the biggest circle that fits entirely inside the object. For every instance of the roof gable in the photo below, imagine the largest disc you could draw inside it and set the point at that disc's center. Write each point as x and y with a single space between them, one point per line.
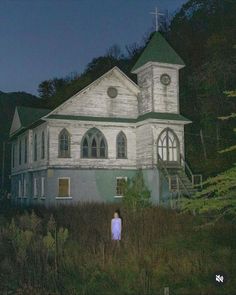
88 100
16 123
158 50
24 117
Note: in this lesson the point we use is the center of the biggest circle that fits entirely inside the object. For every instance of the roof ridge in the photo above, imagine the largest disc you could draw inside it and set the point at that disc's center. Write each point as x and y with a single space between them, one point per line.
158 50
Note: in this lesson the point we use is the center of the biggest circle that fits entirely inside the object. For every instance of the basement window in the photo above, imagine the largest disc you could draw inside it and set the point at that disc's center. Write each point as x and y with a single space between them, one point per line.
63 187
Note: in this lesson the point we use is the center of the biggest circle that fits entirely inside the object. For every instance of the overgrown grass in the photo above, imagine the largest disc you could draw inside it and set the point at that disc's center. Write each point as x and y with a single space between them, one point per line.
159 248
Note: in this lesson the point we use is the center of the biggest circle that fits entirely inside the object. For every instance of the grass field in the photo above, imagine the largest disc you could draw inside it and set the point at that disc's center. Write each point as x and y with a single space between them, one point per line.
68 250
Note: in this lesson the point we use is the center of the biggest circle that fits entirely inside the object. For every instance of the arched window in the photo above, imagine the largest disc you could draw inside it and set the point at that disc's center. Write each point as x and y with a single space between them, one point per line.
64 144
168 146
94 153
102 148
93 144
121 146
85 148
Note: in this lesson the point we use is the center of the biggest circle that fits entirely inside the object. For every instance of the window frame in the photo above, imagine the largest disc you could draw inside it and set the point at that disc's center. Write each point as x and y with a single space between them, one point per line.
118 178
121 133
69 190
91 135
64 153
42 191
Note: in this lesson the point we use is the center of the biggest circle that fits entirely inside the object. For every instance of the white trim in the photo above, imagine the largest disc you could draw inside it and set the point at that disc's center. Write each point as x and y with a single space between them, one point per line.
42 192
58 197
63 198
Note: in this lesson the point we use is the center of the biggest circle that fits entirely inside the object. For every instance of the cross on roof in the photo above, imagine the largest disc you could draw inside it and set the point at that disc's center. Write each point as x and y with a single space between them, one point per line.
157 14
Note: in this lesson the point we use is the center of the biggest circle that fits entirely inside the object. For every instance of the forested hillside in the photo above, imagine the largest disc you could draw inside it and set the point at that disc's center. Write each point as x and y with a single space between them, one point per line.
203 33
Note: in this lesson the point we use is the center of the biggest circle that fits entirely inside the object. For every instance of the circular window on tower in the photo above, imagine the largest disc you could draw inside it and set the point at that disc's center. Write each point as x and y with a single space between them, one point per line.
112 92
165 79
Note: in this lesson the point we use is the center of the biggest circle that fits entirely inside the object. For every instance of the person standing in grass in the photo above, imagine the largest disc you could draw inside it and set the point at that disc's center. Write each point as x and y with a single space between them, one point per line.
116 227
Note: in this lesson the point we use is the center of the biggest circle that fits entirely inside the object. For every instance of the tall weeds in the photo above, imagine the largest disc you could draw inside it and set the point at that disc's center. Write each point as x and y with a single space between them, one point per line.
68 250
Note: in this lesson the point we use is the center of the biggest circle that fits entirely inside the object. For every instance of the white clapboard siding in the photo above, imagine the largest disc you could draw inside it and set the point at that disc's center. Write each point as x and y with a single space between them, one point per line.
154 96
77 130
166 98
96 102
145 83
144 145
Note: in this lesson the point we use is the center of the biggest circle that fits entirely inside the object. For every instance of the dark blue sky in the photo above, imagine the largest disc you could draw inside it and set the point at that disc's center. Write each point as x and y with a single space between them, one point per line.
43 39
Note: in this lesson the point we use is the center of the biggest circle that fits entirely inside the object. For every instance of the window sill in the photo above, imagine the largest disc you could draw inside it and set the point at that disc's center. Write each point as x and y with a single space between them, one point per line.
42 198
63 198
118 197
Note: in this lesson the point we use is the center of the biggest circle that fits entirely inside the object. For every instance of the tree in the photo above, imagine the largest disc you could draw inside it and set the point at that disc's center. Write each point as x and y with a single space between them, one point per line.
219 193
136 194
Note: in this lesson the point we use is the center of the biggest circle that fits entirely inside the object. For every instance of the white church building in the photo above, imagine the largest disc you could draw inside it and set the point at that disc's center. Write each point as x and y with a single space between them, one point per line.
85 148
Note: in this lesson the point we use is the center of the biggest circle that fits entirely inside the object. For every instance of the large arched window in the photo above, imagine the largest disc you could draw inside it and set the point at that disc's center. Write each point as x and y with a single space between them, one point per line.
121 146
64 144
94 144
168 146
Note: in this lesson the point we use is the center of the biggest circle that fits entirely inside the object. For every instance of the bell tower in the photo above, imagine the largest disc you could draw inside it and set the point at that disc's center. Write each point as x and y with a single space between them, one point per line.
157 71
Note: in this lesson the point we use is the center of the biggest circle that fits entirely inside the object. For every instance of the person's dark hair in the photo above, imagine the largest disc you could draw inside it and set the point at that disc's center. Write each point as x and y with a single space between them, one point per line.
118 212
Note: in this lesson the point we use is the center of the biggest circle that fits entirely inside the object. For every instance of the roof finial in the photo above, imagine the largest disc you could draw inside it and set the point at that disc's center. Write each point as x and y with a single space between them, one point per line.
157 14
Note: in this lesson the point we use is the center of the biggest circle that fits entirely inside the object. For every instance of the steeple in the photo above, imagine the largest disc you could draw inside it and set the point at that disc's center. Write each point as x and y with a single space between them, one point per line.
158 50
157 72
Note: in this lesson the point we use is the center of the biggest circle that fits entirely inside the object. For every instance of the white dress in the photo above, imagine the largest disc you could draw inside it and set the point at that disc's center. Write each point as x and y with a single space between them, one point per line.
116 228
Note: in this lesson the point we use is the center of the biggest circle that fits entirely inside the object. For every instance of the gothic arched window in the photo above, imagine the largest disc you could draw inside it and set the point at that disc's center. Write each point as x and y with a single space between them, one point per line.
85 148
168 146
94 144
121 146
64 144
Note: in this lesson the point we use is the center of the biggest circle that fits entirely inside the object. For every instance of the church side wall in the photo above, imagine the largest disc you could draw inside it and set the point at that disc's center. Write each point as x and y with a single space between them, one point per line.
86 185
77 130
30 163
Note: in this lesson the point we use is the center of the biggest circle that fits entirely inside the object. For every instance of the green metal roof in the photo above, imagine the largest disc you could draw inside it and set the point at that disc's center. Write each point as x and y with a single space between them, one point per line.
158 50
29 116
162 116
151 115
